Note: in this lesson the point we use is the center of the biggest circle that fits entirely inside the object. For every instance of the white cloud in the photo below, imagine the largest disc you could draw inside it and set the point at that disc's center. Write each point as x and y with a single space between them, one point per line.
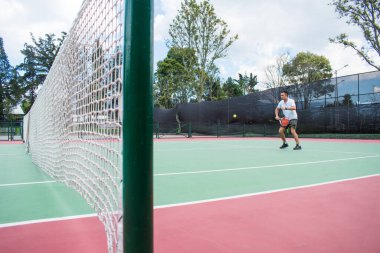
12 7
159 27
269 28
266 30
166 12
19 18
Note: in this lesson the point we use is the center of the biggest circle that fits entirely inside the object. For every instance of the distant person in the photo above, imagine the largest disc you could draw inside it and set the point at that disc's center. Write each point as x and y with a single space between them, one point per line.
288 107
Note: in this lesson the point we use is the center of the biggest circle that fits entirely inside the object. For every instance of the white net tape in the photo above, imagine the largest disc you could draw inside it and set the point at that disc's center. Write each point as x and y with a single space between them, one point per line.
74 131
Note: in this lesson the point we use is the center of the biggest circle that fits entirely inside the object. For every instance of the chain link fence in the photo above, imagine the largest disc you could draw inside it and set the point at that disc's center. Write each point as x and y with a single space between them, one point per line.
11 131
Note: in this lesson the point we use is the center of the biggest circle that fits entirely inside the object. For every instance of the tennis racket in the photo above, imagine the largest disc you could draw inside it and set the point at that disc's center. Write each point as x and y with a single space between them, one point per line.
284 122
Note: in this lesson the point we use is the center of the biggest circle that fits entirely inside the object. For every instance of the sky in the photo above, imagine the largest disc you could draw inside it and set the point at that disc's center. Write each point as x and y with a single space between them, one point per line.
266 29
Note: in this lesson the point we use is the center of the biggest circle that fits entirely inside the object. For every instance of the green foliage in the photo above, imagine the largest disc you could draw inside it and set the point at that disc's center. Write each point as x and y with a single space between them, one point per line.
231 88
26 105
38 59
365 15
197 26
347 101
307 67
214 90
175 78
9 90
247 83
303 71
252 82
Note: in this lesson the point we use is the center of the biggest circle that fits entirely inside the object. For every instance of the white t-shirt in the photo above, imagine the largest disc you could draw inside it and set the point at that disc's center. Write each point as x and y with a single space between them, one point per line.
290 114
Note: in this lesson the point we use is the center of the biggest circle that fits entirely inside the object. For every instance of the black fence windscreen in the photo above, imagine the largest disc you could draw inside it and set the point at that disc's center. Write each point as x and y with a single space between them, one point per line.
342 105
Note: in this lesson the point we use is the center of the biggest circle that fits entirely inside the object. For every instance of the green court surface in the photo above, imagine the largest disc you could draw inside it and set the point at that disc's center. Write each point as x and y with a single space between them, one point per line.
192 170
199 170
27 193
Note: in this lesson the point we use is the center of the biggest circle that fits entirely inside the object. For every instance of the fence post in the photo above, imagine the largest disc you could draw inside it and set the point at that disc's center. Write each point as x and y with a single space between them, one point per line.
189 134
8 133
358 104
158 130
22 130
217 128
324 111
11 130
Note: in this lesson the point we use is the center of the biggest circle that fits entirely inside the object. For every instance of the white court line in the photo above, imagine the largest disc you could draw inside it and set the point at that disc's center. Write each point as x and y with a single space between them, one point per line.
216 171
13 224
29 183
191 202
13 155
216 146
264 192
264 166
237 147
48 182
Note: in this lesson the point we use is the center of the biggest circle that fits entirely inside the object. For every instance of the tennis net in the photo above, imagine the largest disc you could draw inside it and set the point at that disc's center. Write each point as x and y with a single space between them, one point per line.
73 130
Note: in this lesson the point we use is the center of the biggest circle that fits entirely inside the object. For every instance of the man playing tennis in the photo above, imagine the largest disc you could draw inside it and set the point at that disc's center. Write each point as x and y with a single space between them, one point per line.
288 107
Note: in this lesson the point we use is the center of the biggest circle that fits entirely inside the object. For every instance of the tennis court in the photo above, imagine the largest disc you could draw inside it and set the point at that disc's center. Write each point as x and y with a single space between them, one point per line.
213 195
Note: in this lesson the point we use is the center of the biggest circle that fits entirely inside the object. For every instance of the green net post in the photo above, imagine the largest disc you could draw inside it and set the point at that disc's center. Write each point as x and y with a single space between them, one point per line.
138 127
189 134
244 130
217 128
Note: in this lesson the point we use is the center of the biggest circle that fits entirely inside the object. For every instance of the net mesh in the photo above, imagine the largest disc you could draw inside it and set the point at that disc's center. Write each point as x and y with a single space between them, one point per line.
74 127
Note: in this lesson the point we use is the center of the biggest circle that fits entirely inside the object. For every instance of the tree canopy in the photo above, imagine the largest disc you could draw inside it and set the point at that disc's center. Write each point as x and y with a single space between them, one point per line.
197 27
175 78
303 71
9 89
231 88
364 14
247 83
38 59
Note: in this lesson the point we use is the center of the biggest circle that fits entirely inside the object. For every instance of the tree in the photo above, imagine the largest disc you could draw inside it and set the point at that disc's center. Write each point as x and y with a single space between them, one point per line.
275 80
175 77
196 26
252 82
347 101
231 88
303 71
366 15
9 89
165 82
38 59
247 83
215 90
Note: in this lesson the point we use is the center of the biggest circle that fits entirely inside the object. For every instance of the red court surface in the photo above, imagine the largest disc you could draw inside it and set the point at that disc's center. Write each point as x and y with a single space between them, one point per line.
338 217
85 235
11 142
